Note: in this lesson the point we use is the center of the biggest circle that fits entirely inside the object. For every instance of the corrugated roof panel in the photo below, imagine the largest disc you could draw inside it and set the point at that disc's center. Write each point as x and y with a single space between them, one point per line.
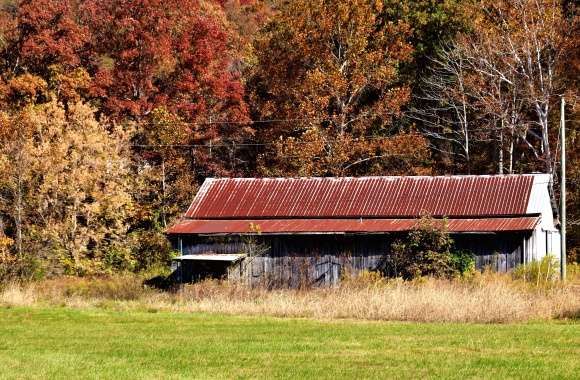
365 196
278 226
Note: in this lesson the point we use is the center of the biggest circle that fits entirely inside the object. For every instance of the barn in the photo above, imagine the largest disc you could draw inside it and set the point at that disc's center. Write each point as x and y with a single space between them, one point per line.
291 230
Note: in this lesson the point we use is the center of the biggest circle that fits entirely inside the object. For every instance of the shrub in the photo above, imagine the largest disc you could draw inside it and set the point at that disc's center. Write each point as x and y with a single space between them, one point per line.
427 250
17 268
362 279
150 249
118 258
463 261
573 272
540 273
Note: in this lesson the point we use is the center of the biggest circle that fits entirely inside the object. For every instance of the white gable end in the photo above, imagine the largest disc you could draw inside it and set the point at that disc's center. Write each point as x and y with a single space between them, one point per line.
540 202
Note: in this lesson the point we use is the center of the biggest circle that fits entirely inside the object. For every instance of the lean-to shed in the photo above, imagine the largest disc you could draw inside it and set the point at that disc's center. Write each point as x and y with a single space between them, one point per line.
316 228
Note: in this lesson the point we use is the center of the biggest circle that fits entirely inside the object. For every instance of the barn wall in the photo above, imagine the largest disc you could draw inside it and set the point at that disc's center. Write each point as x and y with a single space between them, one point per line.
542 242
500 252
320 259
292 260
553 242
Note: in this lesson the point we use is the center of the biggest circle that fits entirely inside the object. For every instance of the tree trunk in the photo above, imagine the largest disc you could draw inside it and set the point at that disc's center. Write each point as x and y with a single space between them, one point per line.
163 195
542 112
511 165
18 219
500 150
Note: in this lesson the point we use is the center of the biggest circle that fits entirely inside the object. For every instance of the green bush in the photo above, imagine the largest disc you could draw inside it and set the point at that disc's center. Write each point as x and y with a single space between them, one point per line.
142 251
150 249
119 258
573 272
463 261
540 273
427 250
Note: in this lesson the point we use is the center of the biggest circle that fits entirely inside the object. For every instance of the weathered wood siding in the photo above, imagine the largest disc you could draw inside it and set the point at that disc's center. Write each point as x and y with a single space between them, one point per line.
294 260
317 259
500 252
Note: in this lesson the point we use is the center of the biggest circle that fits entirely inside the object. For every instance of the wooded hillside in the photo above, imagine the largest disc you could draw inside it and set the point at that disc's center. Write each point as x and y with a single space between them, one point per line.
112 112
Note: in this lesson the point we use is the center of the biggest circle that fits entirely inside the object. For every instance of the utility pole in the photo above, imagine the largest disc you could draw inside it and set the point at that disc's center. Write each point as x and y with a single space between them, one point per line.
562 191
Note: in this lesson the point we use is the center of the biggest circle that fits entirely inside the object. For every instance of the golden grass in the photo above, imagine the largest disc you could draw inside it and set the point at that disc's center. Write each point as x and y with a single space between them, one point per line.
573 273
484 298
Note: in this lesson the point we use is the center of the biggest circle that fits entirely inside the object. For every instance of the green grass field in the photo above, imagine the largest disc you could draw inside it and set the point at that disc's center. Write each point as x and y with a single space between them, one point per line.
61 343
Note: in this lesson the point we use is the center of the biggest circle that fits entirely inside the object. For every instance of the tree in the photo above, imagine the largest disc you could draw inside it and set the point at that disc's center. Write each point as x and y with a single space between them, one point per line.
461 110
510 75
39 33
332 69
316 153
154 53
444 108
168 67
167 70
570 67
140 55
434 23
245 19
64 187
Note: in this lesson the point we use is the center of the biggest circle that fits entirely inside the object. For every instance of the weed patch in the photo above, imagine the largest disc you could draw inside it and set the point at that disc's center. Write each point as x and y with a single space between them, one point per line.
480 298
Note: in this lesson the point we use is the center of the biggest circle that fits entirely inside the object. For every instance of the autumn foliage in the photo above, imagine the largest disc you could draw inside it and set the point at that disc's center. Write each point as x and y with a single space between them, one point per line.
332 68
113 111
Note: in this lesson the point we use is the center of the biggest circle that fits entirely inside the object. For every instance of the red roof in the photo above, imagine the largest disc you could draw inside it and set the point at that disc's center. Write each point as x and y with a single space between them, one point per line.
280 226
385 197
365 204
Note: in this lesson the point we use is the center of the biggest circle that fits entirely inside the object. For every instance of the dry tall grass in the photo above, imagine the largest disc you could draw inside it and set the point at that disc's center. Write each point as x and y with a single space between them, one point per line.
486 298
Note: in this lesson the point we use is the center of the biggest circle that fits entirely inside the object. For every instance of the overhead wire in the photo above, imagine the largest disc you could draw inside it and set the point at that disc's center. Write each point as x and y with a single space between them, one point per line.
234 144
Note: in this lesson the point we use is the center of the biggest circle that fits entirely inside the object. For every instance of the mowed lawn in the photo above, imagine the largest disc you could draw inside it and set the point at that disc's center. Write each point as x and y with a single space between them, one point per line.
60 343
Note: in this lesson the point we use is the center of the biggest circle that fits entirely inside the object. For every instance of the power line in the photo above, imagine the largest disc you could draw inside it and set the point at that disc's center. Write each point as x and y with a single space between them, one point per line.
236 144
213 122
248 122
297 142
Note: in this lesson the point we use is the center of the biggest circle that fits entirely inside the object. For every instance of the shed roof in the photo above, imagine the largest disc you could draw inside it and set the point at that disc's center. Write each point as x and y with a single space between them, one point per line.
360 205
367 197
333 226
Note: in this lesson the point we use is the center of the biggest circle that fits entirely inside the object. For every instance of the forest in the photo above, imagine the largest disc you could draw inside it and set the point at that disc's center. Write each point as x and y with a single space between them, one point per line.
112 112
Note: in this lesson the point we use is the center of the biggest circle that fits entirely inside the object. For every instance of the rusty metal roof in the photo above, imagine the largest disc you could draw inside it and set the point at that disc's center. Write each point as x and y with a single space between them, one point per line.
281 226
375 197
